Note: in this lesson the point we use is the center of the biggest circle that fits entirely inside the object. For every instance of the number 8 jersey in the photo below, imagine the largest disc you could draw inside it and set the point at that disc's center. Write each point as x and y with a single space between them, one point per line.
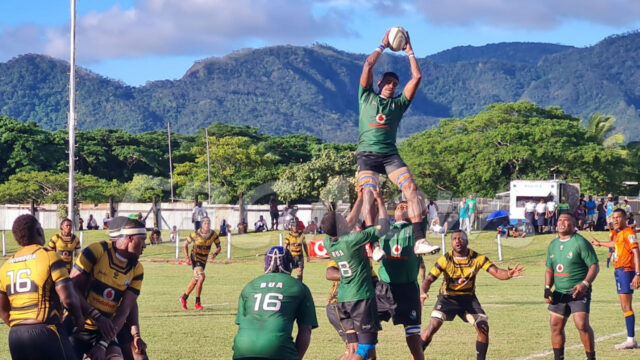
28 279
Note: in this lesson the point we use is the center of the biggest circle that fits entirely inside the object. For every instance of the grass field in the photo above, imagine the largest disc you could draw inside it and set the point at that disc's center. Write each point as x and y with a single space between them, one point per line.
517 313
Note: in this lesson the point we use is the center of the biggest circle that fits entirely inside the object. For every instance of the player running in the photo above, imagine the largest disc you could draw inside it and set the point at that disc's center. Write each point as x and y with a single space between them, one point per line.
110 276
34 283
65 243
457 296
397 292
572 266
356 294
627 270
295 243
267 309
380 115
202 240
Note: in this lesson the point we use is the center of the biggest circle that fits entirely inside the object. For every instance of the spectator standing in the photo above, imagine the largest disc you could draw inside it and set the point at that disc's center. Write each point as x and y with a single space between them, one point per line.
530 214
627 207
601 220
224 227
473 207
563 207
273 211
197 215
541 214
551 214
432 211
592 217
463 209
609 205
80 223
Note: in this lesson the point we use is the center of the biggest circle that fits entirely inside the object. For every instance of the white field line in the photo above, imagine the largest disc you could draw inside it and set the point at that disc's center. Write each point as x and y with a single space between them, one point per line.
577 346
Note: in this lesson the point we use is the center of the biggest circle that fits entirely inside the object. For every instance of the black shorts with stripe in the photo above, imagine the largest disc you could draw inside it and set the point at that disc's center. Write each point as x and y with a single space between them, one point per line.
459 305
298 262
360 317
38 341
195 263
400 302
378 162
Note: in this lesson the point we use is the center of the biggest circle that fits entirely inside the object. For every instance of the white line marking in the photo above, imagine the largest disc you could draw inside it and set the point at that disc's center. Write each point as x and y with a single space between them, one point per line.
577 346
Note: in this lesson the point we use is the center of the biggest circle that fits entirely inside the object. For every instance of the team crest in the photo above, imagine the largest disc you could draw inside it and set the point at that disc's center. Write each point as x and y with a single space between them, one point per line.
462 281
561 247
109 294
570 255
127 282
380 118
559 268
632 238
396 249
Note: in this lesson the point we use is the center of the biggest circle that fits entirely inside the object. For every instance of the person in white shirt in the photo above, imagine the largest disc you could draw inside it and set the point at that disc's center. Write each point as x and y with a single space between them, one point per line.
530 214
261 224
551 215
198 214
432 210
541 215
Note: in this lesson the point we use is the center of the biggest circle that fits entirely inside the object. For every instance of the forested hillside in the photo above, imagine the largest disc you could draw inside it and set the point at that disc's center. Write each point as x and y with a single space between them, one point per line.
313 90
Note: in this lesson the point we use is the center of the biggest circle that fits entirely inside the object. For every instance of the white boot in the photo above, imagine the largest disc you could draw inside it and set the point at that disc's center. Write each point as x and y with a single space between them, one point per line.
423 247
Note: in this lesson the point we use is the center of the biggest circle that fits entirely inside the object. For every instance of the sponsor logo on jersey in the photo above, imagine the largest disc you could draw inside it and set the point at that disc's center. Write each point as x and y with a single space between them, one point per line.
462 281
65 253
380 118
559 268
396 249
109 294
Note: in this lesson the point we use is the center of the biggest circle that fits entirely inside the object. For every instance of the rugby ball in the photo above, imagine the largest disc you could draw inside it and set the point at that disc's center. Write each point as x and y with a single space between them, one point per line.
397 38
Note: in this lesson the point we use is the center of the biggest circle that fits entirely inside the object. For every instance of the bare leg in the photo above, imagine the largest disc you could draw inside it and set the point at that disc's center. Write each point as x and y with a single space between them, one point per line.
581 320
557 324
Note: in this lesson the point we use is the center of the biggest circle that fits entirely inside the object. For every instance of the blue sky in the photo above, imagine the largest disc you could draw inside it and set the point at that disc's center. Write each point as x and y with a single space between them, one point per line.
144 40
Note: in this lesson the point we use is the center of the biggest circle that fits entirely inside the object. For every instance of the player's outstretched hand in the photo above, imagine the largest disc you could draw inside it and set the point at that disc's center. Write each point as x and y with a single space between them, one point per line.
517 270
385 39
96 353
595 241
548 296
188 261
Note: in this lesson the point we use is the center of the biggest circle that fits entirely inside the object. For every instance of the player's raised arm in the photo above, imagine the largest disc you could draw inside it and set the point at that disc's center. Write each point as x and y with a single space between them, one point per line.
506 274
383 220
366 79
607 244
354 215
411 88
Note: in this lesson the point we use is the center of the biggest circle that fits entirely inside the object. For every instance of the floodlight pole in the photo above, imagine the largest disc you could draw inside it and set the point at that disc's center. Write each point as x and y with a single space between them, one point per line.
72 113
170 161
206 136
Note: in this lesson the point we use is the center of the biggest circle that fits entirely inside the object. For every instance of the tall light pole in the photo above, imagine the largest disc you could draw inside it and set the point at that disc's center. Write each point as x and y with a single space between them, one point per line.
72 112
206 136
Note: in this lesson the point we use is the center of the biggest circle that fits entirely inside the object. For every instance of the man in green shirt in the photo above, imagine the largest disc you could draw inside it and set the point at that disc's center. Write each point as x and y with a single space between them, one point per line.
267 308
356 294
572 266
563 206
397 292
380 116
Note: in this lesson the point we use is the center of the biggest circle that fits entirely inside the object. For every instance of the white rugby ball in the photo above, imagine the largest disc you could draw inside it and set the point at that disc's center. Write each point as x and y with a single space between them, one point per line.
397 38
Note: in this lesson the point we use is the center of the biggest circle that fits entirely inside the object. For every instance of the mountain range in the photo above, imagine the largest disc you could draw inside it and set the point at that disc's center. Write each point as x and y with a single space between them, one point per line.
313 90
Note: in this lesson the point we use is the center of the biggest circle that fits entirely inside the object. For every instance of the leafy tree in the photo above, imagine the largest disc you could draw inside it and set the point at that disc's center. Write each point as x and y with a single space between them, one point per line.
601 125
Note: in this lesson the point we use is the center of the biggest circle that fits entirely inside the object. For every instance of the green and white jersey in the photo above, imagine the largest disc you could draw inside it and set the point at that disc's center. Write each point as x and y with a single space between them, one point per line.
473 204
401 264
267 308
379 120
349 253
570 261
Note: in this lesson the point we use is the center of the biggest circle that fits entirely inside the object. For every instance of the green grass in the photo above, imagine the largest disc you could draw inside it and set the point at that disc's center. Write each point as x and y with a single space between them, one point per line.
517 313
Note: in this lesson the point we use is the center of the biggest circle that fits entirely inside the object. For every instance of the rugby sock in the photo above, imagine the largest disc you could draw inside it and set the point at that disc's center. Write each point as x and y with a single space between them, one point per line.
558 354
608 261
418 233
630 320
481 350
591 355
185 297
198 299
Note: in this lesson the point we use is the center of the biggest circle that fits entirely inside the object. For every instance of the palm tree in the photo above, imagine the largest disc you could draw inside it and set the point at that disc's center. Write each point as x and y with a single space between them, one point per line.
600 125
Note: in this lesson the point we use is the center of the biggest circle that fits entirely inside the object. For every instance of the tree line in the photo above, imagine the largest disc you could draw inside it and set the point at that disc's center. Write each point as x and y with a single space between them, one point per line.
478 154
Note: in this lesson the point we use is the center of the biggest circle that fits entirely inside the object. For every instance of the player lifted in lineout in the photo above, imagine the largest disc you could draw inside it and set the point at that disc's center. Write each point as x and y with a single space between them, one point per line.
202 240
380 115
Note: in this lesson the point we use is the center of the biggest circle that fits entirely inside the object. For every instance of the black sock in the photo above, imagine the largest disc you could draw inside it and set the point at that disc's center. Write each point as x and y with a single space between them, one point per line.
418 233
591 355
185 297
198 299
481 350
558 354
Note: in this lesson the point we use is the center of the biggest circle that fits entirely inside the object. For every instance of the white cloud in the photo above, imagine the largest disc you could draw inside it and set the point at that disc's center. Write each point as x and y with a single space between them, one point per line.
171 27
529 14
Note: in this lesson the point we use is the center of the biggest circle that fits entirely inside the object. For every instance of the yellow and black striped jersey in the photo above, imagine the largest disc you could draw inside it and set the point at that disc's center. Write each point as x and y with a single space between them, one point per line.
110 276
28 279
293 242
65 247
460 273
202 244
